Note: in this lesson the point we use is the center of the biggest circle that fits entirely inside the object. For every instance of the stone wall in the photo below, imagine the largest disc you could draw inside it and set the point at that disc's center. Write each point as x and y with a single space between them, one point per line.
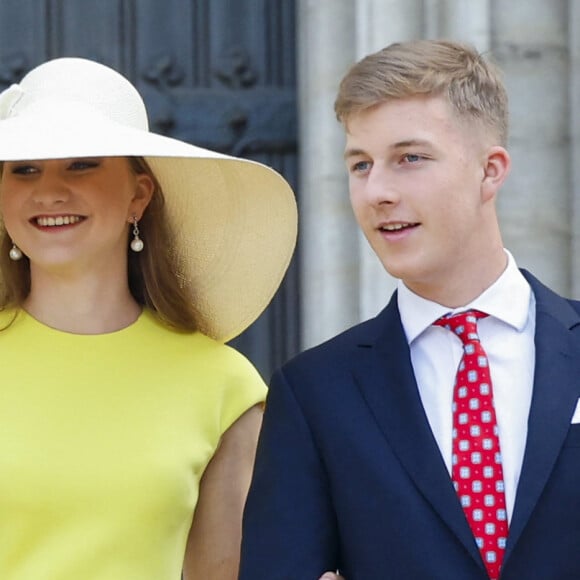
537 43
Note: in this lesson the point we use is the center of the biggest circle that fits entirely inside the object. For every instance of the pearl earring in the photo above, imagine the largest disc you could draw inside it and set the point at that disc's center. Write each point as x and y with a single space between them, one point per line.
136 243
15 253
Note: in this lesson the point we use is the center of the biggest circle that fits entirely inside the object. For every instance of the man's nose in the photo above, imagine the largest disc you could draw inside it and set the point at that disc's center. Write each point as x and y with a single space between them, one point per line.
381 187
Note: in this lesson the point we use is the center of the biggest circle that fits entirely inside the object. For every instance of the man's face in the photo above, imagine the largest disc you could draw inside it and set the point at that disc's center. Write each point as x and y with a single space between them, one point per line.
415 180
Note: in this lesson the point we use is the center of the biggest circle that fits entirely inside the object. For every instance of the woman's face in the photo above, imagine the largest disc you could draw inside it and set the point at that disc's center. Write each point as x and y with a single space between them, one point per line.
72 213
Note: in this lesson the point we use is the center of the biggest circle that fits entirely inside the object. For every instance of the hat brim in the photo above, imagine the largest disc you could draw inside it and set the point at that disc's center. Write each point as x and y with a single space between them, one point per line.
234 220
236 231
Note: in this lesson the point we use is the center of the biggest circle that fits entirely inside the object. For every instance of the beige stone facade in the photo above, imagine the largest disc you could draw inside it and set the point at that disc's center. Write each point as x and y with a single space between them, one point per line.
537 43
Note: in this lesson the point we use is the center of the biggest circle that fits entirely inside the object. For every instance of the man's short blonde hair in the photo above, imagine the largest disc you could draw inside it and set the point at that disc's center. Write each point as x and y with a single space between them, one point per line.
472 84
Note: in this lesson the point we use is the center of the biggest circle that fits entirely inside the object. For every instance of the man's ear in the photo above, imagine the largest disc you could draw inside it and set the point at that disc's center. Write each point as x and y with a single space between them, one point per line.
497 164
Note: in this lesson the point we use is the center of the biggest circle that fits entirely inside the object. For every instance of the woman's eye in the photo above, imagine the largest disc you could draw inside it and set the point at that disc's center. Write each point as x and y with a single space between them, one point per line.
23 169
80 164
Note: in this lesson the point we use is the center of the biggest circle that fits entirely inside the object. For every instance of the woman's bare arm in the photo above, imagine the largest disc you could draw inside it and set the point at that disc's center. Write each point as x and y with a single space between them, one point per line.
213 547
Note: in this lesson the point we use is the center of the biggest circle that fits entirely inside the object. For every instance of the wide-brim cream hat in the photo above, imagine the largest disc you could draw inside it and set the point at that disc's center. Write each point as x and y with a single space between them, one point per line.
234 220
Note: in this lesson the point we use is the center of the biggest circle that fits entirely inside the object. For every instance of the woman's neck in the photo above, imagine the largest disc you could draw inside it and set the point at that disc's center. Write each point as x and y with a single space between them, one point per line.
85 305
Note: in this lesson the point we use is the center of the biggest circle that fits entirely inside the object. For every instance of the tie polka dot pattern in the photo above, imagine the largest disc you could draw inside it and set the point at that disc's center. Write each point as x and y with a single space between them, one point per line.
476 461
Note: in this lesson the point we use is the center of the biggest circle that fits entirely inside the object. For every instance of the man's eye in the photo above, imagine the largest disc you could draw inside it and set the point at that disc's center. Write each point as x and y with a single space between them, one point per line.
412 158
361 166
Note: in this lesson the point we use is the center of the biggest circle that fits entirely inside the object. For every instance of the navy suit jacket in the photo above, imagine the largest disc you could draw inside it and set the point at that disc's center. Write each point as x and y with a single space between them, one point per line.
348 474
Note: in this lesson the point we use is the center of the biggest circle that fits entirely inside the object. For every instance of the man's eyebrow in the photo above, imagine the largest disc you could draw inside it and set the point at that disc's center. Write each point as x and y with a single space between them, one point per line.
355 151
411 143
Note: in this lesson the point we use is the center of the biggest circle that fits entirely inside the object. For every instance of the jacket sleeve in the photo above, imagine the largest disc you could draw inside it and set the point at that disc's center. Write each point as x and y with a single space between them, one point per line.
289 529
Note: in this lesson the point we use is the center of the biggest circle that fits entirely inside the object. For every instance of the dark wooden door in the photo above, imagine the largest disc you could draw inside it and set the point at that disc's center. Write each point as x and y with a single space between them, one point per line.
217 73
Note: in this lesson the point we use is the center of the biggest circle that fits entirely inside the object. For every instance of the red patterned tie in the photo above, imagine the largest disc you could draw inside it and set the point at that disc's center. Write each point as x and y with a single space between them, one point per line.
477 472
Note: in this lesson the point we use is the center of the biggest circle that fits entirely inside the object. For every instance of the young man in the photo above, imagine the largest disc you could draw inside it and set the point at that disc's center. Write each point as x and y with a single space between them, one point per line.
439 440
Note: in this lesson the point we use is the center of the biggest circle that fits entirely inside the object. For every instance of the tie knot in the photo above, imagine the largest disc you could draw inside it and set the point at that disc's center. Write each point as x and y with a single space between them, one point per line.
463 324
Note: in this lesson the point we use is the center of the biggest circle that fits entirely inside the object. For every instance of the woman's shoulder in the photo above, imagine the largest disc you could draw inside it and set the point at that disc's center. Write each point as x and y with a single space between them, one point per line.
192 344
227 373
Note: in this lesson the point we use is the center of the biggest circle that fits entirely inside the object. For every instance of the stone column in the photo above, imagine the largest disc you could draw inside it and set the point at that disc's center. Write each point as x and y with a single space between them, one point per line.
468 20
574 51
328 234
535 204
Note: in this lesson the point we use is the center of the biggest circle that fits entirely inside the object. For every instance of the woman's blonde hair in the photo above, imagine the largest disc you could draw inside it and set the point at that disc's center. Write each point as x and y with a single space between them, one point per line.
472 85
153 276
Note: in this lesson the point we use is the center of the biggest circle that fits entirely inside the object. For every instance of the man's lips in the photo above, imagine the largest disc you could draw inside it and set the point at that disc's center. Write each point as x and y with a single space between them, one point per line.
397 226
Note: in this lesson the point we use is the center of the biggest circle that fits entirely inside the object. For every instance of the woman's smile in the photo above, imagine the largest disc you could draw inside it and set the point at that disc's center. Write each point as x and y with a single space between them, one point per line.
56 220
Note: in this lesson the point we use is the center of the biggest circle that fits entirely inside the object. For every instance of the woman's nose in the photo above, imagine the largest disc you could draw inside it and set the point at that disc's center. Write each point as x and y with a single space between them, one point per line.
50 189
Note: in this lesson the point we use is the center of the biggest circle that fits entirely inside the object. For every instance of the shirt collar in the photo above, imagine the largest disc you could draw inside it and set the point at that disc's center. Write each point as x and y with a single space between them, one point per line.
507 299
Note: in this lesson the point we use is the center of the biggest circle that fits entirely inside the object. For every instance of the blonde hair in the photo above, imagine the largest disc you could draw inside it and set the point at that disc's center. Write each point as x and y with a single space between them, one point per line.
153 275
472 85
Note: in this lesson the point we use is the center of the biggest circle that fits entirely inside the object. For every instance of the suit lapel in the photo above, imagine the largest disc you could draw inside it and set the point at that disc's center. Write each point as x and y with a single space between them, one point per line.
384 375
556 392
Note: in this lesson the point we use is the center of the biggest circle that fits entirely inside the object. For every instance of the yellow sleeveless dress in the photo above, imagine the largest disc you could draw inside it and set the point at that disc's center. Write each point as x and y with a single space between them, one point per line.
103 441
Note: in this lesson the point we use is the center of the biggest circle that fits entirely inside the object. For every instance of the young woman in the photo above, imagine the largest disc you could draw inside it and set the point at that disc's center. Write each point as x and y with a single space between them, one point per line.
127 259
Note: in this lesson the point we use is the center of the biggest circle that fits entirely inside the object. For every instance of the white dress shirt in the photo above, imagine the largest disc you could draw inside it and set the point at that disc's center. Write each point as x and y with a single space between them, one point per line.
507 335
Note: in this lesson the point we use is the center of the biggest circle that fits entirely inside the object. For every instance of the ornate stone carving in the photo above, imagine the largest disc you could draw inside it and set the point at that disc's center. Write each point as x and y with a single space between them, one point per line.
238 116
12 68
